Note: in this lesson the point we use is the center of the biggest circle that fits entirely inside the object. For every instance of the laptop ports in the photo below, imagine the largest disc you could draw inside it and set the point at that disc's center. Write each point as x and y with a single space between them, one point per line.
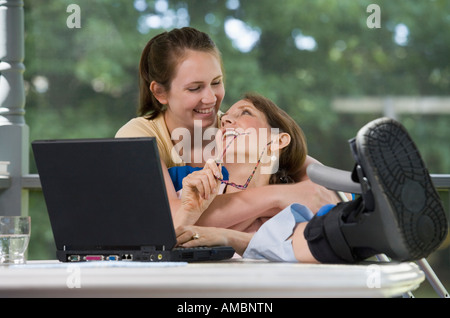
74 258
127 257
89 258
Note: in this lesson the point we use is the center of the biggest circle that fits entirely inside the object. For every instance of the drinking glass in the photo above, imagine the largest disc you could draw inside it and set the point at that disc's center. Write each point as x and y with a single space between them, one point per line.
14 237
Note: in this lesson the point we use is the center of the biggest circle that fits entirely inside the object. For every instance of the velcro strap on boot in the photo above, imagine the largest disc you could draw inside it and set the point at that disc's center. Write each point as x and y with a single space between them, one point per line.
324 236
332 228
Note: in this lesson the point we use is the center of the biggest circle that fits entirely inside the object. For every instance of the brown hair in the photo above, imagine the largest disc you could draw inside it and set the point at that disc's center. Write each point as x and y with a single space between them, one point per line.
159 61
292 156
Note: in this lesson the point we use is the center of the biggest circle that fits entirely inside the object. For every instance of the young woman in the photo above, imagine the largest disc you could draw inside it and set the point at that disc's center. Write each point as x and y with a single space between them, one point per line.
181 90
407 221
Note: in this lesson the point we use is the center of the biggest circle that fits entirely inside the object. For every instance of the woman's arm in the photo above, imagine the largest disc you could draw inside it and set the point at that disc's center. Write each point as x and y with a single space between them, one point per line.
247 210
174 200
238 210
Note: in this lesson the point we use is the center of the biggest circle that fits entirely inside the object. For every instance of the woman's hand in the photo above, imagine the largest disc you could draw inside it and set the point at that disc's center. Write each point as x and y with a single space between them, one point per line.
192 236
308 193
199 190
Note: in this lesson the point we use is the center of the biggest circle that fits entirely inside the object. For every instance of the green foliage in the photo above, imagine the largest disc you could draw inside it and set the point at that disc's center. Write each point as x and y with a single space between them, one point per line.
93 79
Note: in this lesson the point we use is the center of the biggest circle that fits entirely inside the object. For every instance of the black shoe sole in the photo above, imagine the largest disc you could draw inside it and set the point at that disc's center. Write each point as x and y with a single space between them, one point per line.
408 212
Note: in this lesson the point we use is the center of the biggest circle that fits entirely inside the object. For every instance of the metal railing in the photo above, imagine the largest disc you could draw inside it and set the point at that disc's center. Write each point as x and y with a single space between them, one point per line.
32 181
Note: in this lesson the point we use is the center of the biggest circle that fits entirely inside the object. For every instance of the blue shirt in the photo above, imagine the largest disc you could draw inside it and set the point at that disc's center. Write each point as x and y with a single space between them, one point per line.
177 175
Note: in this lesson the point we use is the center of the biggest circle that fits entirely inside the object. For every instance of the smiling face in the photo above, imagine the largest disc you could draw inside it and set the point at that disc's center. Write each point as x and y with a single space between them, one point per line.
280 141
244 134
242 116
273 125
196 92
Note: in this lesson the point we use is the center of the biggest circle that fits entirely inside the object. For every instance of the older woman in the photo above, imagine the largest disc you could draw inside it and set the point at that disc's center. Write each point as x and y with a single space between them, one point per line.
400 216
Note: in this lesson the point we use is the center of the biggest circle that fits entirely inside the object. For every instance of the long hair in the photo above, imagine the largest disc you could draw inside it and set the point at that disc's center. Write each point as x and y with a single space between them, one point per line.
159 61
293 155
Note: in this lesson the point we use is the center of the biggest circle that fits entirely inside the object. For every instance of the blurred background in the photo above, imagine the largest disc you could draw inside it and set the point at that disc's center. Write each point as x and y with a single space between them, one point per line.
332 65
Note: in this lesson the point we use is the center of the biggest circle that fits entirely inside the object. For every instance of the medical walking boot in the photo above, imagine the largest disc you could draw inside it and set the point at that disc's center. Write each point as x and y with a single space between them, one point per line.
399 212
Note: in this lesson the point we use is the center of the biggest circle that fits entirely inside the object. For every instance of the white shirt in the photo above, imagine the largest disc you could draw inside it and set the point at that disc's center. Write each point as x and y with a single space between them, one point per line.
272 241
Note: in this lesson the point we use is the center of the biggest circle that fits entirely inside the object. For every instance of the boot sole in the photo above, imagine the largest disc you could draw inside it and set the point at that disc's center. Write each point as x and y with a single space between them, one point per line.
407 204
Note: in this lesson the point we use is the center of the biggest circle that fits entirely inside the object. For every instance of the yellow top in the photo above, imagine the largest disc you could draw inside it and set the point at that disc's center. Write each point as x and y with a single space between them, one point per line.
142 127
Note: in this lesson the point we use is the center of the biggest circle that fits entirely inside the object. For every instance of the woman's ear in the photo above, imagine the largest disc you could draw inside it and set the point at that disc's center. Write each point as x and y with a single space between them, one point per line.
159 92
283 140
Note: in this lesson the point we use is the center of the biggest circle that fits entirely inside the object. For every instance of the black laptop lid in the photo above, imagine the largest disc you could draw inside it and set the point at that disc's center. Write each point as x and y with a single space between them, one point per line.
105 193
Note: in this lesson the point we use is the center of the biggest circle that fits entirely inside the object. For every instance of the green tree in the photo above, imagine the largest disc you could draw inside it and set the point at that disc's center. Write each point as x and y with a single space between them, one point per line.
84 82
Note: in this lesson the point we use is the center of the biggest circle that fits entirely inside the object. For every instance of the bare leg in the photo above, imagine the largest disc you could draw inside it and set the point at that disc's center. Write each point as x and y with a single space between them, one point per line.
300 245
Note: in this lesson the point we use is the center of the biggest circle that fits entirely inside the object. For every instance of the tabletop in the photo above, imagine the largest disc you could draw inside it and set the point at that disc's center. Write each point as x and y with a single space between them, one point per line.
224 279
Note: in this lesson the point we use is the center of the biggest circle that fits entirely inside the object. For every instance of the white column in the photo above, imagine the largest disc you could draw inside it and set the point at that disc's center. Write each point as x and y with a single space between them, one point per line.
14 133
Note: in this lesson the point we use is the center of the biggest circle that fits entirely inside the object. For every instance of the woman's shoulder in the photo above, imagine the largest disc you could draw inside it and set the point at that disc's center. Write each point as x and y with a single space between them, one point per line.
139 127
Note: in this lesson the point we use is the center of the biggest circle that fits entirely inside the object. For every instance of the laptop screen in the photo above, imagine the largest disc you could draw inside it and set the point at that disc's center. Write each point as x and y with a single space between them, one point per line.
103 193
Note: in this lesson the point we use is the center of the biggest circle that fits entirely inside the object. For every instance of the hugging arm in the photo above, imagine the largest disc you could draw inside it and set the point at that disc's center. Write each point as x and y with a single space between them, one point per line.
247 210
239 210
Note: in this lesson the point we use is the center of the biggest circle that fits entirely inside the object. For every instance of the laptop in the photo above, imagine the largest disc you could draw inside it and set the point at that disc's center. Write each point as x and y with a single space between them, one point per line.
107 201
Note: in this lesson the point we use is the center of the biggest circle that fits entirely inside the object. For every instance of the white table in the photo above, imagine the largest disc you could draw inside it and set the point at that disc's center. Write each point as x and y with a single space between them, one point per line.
226 279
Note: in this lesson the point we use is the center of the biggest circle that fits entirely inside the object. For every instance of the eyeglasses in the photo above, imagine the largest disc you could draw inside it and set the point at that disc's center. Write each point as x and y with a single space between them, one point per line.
245 185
